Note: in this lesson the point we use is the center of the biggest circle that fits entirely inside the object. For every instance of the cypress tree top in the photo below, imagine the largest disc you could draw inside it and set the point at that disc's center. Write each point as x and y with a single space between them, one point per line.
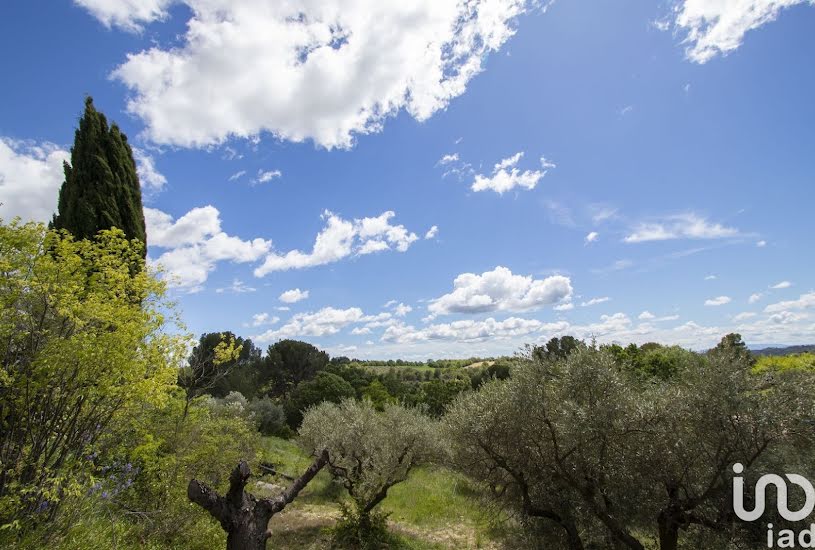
101 188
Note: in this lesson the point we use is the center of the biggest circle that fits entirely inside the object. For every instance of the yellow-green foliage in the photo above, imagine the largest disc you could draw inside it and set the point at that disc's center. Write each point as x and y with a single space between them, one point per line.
83 343
799 361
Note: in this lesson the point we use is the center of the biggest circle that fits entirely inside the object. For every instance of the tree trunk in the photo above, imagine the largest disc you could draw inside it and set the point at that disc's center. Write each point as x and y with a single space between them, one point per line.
245 518
668 531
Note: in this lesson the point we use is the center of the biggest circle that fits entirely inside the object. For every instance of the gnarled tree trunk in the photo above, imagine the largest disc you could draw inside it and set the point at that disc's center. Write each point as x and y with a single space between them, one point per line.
244 517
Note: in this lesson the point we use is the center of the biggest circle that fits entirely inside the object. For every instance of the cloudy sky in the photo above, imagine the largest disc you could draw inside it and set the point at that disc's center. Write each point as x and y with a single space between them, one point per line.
443 177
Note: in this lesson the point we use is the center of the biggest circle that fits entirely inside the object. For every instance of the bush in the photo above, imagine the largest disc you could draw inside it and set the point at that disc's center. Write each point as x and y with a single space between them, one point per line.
323 387
269 417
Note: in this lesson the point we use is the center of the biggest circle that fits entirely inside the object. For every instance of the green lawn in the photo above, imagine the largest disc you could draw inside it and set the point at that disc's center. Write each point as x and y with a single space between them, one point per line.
434 509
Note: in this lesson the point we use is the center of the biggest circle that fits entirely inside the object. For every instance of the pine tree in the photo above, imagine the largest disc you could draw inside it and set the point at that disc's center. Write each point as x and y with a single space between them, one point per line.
101 188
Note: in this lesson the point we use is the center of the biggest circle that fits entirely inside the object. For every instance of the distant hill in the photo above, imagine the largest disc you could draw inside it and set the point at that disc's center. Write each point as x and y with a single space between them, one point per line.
782 350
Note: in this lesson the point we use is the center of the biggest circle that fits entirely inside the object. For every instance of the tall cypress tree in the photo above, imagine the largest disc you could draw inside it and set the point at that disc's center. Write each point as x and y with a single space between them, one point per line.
101 188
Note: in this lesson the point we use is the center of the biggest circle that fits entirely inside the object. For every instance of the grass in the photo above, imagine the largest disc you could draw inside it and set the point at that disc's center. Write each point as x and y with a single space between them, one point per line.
433 509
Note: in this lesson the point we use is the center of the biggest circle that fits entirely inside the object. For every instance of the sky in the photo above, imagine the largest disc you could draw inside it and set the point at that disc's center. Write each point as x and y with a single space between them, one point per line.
443 178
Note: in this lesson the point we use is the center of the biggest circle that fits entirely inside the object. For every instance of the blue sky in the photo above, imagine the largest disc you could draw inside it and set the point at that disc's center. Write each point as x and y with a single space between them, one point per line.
444 178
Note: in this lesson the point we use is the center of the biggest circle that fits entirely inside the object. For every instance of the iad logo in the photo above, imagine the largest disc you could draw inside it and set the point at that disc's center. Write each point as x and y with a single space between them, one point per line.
786 537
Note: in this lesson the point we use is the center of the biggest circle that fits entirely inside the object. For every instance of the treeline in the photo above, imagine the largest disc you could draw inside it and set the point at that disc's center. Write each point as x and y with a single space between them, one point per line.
275 387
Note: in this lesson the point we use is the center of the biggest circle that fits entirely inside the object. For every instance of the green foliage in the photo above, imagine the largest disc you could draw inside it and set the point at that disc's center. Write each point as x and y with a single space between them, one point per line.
269 417
592 456
219 364
101 188
83 344
369 451
797 362
323 387
362 531
289 362
437 395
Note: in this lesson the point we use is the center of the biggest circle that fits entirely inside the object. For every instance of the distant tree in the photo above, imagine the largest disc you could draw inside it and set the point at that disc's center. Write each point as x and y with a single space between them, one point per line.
269 417
437 395
289 362
323 387
377 394
557 348
101 188
341 360
732 345
369 452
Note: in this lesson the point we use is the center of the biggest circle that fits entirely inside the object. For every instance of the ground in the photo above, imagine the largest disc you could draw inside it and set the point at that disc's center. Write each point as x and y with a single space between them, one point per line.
434 509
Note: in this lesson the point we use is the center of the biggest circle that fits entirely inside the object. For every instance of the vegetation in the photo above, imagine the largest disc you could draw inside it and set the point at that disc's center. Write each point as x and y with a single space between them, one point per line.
101 188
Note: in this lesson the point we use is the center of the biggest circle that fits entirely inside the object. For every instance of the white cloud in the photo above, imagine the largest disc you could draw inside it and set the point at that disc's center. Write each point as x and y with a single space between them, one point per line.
782 285
324 322
646 316
261 319
265 176
401 310
448 159
805 301
754 298
500 290
718 301
761 244
680 226
237 175
149 177
237 287
464 331
293 296
129 15
30 177
718 27
342 238
307 70
711 278
591 237
595 301
506 176
195 244
567 306
432 232
744 316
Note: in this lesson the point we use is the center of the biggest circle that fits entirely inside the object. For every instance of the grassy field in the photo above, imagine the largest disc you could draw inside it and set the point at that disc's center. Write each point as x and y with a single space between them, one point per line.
434 509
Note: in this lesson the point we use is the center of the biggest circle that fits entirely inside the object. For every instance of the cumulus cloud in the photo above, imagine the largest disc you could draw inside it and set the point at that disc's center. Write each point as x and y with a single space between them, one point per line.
432 232
680 226
718 27
506 176
718 301
300 70
591 237
805 301
195 243
566 306
595 301
401 310
30 177
324 322
262 319
761 244
463 331
711 277
782 285
646 316
754 298
293 296
130 15
500 290
149 176
340 239
744 316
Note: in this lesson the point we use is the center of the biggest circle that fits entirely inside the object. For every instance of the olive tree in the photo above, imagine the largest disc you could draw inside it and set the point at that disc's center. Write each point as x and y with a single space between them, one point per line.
369 451
602 457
